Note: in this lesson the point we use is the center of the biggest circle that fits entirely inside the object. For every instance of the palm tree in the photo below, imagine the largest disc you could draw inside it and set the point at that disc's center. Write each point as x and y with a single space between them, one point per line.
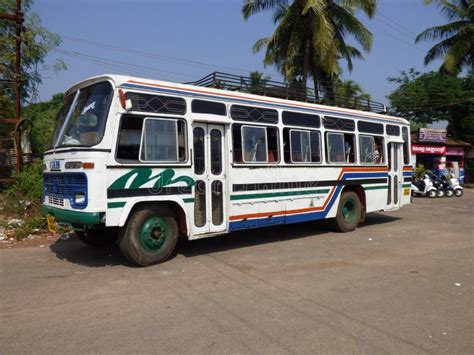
258 82
457 45
350 94
310 37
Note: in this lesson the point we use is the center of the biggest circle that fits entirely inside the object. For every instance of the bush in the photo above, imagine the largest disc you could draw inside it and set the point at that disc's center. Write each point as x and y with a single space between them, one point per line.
28 184
30 226
420 171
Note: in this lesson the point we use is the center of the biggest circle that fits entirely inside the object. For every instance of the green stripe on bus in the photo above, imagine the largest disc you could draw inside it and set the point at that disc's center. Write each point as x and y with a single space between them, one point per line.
188 200
115 204
278 194
376 187
406 185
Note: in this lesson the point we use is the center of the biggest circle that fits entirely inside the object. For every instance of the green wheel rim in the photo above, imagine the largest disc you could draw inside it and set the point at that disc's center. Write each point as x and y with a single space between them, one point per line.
349 211
153 234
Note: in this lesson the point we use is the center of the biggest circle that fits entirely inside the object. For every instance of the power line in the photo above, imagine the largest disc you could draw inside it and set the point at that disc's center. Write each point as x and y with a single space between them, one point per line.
151 55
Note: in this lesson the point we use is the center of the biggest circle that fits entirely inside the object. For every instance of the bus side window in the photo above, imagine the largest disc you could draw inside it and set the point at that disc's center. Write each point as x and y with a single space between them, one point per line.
406 151
129 136
371 149
237 143
273 151
340 147
349 148
255 144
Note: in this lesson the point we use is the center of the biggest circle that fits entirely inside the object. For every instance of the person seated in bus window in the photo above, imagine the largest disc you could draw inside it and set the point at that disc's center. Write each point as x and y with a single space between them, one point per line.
348 151
376 154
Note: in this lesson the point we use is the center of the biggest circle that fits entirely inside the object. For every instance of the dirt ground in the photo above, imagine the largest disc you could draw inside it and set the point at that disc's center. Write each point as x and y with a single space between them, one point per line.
403 283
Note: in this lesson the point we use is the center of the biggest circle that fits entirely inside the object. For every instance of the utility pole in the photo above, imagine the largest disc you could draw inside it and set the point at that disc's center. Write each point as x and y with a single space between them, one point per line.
18 19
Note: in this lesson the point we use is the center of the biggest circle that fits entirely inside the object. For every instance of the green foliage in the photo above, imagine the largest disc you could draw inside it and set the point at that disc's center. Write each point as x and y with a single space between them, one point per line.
31 225
37 42
348 93
420 171
433 96
43 118
257 82
311 38
28 184
456 48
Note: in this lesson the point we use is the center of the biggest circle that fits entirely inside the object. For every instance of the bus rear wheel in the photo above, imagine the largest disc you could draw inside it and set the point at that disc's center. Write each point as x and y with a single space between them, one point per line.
348 212
150 235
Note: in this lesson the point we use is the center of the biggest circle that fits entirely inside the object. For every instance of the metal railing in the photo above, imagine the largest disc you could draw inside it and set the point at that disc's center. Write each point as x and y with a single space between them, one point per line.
290 91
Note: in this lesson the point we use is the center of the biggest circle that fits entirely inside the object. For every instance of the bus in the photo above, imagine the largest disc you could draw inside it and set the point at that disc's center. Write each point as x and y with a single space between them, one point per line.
143 162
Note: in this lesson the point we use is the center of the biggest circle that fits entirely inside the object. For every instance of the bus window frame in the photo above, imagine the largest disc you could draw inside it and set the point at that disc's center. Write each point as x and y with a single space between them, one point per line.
355 143
141 162
383 162
242 142
309 131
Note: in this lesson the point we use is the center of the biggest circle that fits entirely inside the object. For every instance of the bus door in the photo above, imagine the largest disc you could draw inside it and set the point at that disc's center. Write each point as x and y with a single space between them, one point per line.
209 174
395 174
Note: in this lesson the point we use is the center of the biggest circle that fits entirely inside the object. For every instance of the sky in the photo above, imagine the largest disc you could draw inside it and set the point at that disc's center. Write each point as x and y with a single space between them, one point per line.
184 40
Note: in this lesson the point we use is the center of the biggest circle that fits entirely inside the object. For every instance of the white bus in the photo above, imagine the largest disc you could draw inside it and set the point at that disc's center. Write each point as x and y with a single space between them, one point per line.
146 161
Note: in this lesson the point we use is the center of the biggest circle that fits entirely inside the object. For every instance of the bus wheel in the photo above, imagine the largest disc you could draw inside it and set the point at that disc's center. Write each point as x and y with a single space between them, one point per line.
150 235
97 237
348 212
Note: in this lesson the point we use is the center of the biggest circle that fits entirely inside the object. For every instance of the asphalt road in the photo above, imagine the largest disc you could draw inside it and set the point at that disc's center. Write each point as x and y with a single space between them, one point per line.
404 283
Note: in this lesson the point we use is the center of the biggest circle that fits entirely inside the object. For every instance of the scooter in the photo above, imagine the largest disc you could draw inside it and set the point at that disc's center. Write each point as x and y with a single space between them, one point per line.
455 185
441 185
423 187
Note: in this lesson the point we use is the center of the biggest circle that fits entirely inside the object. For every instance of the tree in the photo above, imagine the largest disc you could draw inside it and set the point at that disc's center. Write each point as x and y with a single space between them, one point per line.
457 37
434 96
310 37
349 93
43 116
37 42
257 82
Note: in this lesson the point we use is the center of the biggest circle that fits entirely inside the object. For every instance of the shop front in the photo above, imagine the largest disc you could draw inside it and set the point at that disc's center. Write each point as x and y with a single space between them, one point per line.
438 153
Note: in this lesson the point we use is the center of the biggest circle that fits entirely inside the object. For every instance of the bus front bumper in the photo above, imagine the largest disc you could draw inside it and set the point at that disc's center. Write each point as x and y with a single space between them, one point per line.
72 217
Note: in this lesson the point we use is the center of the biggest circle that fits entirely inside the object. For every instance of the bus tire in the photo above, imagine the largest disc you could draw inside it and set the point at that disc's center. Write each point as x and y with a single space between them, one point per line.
97 237
149 236
348 212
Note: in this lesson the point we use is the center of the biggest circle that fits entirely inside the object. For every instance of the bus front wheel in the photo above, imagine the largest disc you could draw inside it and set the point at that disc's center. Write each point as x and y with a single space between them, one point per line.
348 212
149 236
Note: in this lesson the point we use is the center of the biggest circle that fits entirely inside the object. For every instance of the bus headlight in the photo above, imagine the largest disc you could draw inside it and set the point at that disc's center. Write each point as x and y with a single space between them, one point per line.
79 198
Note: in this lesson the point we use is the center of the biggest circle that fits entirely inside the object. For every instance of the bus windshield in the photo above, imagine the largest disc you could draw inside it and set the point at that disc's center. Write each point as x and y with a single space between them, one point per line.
82 118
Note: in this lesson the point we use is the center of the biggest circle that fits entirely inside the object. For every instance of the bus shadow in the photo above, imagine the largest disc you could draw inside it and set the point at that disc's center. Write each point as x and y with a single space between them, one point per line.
74 251
254 237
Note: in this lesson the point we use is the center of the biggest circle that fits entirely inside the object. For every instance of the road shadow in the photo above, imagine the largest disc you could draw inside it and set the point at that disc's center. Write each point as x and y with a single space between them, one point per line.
75 251
254 237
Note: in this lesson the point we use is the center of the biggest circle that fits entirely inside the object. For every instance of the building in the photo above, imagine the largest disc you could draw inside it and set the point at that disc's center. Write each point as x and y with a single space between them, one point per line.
438 152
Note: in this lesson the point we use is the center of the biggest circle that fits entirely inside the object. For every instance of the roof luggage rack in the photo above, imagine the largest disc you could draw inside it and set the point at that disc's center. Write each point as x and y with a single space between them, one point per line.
282 90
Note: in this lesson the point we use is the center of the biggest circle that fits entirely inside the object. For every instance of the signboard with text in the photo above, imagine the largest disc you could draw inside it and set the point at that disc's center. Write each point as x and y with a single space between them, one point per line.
432 135
428 149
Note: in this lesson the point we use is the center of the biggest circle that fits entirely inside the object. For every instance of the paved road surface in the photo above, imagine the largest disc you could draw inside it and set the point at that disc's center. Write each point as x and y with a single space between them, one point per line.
404 283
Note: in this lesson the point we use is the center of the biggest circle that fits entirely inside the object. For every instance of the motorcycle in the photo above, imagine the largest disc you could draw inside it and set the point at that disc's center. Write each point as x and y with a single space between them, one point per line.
443 187
423 187
455 185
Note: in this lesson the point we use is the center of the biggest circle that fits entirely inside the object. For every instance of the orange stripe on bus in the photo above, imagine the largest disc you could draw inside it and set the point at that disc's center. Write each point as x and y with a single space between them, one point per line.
308 209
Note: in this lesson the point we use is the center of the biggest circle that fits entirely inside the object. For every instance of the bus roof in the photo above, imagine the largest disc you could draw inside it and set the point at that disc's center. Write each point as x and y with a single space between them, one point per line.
138 83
